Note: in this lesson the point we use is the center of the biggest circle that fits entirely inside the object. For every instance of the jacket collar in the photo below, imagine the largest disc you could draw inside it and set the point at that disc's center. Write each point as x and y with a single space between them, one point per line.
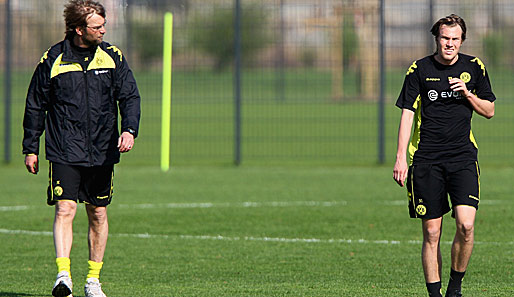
68 55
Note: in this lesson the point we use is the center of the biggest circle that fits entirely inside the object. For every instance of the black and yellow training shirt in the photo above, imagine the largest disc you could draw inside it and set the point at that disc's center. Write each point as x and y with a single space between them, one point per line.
442 123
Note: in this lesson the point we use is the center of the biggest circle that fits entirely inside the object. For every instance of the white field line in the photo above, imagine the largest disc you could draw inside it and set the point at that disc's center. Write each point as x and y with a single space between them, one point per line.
252 238
205 205
405 202
240 204
14 208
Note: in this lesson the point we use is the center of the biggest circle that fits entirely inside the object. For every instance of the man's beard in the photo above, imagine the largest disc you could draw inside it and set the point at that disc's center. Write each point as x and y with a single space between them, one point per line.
91 43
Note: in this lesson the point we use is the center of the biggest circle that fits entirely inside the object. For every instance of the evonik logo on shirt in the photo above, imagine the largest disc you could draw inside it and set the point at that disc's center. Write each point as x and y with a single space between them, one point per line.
433 95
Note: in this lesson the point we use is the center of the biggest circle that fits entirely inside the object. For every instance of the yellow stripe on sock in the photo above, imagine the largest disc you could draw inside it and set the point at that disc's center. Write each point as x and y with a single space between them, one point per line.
94 269
63 264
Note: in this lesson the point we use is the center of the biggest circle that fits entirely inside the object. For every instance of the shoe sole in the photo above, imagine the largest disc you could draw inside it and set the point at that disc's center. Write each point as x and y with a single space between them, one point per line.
61 290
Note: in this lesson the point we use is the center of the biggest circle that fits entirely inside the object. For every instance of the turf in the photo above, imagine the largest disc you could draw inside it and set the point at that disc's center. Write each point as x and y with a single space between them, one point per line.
252 231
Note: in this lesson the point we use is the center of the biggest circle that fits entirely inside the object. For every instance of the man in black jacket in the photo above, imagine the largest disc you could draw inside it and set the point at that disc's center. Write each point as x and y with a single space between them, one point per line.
74 96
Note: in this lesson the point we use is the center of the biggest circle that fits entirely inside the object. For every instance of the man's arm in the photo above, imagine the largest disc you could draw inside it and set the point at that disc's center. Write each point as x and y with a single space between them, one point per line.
130 110
35 112
404 131
483 107
127 94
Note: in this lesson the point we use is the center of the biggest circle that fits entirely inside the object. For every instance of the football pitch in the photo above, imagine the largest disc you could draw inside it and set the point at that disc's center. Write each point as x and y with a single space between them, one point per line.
252 231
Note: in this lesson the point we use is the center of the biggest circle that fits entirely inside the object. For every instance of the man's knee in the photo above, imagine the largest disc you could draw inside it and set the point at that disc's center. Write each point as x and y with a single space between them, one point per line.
97 213
65 209
432 233
466 230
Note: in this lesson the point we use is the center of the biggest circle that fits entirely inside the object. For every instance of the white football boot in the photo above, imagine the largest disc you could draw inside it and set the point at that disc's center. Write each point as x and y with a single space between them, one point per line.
63 285
93 288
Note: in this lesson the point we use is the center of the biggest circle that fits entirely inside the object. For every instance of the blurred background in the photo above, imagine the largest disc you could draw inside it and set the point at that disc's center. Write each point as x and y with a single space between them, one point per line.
316 83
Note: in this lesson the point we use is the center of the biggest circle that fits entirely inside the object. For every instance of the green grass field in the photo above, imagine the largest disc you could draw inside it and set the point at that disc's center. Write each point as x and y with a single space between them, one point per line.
252 231
308 213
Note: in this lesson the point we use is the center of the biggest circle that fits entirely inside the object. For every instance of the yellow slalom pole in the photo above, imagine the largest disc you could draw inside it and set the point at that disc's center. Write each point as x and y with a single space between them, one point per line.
166 91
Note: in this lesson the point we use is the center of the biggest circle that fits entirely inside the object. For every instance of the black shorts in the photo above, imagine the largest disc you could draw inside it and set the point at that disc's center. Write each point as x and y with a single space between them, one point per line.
428 186
92 185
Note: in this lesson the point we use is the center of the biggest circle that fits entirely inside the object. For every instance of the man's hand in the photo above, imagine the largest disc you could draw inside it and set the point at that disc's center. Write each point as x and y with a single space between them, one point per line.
32 163
400 172
484 108
458 85
125 142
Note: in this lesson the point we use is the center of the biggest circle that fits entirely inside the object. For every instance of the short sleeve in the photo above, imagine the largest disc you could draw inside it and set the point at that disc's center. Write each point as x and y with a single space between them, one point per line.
483 88
410 90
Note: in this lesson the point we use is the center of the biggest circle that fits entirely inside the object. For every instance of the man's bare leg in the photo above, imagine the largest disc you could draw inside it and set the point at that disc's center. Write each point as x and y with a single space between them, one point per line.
63 227
97 238
462 246
431 254
65 211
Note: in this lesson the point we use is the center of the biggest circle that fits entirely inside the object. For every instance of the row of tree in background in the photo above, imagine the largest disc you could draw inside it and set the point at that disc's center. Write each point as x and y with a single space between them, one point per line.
210 31
269 28
338 37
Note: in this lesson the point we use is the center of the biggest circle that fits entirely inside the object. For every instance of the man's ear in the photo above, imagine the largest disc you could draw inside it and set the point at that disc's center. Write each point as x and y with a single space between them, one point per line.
78 30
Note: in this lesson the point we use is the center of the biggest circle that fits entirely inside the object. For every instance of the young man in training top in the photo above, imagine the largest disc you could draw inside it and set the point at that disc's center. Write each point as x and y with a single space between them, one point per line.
439 95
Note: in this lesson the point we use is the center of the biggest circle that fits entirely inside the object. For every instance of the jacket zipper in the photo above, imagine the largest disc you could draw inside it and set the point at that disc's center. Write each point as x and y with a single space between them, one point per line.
88 126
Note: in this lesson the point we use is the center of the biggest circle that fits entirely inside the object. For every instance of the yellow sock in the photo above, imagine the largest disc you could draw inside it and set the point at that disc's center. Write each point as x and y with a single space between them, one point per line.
63 264
94 269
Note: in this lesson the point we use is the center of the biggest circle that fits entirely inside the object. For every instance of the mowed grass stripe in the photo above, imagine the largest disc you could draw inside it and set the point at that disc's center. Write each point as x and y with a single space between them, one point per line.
247 204
251 238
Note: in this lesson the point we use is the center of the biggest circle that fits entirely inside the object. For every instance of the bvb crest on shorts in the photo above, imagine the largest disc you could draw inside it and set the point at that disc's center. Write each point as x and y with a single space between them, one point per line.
58 191
421 210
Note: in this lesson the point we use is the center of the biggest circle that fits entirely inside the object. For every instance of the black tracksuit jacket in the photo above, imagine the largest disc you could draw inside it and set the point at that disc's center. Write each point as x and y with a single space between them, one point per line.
78 109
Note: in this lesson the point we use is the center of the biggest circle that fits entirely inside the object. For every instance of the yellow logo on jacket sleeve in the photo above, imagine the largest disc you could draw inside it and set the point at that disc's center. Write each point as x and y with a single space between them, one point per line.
45 56
116 50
